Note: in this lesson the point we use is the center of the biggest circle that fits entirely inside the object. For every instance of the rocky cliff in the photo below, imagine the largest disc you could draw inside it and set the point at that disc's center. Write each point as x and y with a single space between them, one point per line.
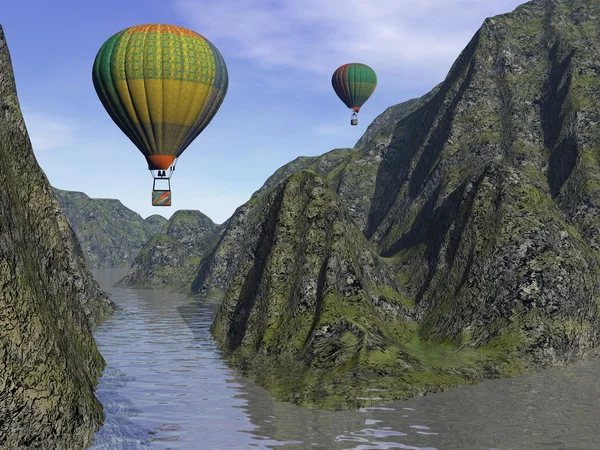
48 301
155 223
110 234
171 258
481 198
384 124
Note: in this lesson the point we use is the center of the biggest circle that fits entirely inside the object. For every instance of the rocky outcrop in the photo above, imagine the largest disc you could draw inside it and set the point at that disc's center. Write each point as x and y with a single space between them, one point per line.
352 172
476 197
155 224
482 199
311 305
110 234
191 228
48 301
385 123
171 259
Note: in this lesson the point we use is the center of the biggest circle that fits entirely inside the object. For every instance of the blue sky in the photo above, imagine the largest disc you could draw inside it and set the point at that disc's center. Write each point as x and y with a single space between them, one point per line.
280 105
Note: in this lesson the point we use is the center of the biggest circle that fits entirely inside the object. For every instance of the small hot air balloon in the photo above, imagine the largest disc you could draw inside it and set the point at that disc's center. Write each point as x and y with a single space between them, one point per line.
354 83
162 85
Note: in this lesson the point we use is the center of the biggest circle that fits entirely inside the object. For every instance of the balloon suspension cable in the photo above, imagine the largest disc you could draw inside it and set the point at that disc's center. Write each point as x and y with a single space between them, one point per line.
162 174
168 180
172 168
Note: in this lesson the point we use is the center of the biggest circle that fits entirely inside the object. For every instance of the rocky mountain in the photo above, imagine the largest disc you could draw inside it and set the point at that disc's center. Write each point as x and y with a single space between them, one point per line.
155 223
385 123
349 174
481 198
48 301
171 258
110 234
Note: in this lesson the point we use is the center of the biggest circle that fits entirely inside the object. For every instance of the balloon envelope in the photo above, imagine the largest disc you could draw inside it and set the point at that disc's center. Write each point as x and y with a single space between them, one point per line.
162 85
354 83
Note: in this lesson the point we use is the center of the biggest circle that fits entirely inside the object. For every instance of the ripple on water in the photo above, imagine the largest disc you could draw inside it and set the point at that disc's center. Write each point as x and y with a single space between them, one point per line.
167 387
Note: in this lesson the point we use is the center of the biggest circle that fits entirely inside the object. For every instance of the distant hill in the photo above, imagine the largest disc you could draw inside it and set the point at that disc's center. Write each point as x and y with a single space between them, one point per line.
109 233
172 257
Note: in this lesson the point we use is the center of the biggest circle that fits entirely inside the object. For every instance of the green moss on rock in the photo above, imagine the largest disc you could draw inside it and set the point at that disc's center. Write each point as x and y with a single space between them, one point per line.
171 259
478 206
110 234
49 301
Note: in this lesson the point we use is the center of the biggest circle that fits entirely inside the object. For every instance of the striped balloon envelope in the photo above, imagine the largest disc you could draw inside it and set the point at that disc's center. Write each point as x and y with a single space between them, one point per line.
162 85
354 83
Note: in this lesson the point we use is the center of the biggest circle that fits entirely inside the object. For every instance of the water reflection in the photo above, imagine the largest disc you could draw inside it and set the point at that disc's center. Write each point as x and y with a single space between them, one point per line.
167 386
556 409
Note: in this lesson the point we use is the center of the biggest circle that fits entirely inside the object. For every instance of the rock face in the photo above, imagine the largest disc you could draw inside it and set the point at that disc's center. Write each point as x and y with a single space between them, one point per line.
171 259
384 124
482 198
352 172
48 301
110 234
155 224
309 297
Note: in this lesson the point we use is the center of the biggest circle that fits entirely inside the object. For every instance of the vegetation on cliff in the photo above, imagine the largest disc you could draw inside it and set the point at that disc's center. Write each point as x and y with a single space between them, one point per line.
110 234
481 198
171 258
48 301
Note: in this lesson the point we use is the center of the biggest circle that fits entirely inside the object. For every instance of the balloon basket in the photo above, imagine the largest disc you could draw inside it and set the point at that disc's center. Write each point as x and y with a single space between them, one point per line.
353 121
161 197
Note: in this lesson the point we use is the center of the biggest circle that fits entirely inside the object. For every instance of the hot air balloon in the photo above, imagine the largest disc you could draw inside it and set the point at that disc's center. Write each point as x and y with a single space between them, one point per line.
354 83
161 85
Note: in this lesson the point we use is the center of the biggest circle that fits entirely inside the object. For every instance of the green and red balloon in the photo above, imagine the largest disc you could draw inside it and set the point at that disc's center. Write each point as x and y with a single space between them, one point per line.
354 83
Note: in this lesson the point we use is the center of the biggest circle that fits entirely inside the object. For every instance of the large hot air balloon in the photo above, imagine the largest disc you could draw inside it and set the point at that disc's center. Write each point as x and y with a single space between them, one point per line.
354 83
162 85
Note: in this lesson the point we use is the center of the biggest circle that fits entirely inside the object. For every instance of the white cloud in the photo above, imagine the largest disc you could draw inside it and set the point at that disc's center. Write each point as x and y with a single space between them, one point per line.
49 132
316 35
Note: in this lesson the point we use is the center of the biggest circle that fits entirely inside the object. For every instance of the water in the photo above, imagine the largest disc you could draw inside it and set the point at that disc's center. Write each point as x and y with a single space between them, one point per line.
166 386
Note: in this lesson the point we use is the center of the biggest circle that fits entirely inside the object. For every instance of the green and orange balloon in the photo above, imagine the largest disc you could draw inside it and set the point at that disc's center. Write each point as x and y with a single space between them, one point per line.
354 83
161 85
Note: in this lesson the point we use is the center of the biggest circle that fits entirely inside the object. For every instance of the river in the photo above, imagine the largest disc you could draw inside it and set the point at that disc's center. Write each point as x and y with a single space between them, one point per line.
166 386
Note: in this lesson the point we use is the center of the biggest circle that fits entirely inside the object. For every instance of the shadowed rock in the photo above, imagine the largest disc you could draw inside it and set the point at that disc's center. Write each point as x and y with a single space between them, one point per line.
481 198
48 301
155 223
170 259
110 234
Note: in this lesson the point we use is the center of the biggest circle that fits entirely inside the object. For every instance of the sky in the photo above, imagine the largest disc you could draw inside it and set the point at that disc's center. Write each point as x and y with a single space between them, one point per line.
280 55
